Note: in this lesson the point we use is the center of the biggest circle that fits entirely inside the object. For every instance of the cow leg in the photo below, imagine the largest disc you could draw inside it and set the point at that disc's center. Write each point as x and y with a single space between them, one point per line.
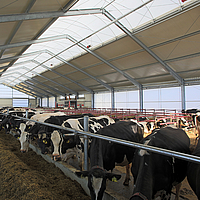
127 179
178 187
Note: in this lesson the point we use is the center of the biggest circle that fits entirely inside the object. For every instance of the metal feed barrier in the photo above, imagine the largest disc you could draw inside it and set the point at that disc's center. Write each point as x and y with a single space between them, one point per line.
87 134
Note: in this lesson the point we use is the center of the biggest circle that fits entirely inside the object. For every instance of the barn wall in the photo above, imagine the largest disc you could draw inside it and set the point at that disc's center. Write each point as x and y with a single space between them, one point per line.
32 103
87 103
6 102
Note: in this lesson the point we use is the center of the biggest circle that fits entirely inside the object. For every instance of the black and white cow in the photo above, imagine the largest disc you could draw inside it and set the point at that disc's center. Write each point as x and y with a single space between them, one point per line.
146 124
30 129
44 132
95 124
193 172
104 155
155 174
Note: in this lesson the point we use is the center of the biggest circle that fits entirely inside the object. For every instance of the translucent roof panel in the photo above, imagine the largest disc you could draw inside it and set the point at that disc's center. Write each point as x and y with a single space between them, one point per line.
91 30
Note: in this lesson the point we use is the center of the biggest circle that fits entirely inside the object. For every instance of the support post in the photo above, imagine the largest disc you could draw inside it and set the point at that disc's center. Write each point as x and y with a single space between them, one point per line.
183 95
92 100
56 102
48 102
141 97
113 99
86 120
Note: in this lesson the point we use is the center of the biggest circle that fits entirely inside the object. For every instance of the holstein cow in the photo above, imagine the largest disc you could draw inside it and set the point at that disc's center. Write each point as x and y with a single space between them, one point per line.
31 128
95 124
104 155
44 132
155 174
146 124
195 114
193 172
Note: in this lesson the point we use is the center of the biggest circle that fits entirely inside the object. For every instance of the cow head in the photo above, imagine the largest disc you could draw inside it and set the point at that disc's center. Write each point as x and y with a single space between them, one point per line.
97 177
160 123
24 138
43 142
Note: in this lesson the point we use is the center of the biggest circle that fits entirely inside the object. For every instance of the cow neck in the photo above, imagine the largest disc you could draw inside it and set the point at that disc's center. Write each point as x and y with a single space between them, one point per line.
96 153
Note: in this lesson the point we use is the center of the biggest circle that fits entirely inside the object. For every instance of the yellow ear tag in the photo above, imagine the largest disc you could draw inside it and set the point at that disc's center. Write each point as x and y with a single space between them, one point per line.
82 176
114 179
44 141
16 128
68 142
18 138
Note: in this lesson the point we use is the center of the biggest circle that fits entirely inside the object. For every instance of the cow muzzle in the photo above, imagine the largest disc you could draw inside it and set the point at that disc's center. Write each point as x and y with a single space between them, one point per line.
23 151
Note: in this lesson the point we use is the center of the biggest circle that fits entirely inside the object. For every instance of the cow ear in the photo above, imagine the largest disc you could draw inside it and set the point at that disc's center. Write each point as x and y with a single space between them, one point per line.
82 174
113 177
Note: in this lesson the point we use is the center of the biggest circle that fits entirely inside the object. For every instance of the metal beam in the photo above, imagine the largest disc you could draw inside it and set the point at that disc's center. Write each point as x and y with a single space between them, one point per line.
30 5
65 8
69 79
4 60
21 90
23 86
132 36
37 82
72 91
34 91
53 14
75 67
105 61
19 44
26 82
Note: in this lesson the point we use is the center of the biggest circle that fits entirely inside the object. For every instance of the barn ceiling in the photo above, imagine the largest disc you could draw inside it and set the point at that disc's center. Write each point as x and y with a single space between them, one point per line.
58 47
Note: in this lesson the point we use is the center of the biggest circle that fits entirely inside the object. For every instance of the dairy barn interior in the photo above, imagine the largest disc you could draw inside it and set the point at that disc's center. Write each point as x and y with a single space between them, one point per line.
120 58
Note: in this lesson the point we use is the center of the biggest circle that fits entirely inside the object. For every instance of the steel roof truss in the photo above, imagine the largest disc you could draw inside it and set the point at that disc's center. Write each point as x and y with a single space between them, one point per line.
75 67
82 86
20 84
53 14
125 30
105 61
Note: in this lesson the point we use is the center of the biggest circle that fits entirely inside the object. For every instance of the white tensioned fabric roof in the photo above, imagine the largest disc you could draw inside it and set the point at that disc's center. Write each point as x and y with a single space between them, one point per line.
59 47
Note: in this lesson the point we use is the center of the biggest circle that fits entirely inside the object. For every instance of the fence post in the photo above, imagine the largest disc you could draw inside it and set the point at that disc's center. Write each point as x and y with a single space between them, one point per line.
26 113
86 120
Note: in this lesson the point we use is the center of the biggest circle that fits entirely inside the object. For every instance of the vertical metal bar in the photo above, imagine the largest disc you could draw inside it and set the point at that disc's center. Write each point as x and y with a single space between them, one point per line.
92 100
48 102
112 99
86 120
26 113
141 97
183 95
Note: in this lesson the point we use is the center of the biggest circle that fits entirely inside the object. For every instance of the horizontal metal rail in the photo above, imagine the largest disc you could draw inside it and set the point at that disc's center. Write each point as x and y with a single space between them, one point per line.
162 151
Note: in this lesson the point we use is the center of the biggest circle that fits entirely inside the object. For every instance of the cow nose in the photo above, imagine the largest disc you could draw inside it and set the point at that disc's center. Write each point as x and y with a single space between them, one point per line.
23 151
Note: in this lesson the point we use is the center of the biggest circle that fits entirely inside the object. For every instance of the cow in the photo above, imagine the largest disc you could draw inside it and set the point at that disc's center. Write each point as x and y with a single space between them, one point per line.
146 124
193 172
5 124
30 129
44 132
155 174
95 124
105 154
